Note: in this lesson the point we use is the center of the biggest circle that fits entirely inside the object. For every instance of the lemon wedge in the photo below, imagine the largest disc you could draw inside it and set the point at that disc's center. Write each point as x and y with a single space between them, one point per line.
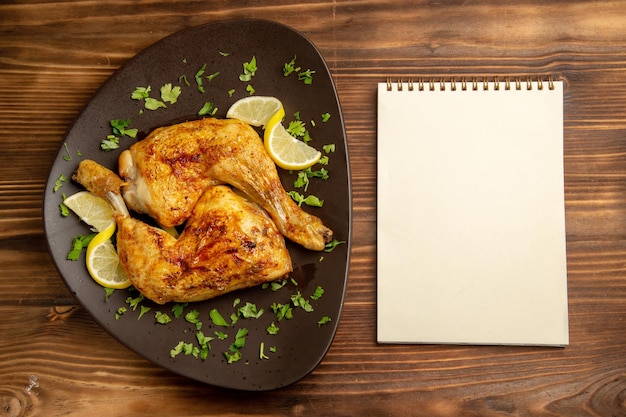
287 151
93 210
103 263
255 110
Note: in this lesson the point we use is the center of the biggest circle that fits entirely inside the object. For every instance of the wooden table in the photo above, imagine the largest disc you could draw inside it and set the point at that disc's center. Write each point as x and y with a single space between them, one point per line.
55 360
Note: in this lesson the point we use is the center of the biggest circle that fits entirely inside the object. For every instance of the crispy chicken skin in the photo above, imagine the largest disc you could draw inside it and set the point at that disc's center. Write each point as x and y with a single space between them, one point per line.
228 243
168 171
97 179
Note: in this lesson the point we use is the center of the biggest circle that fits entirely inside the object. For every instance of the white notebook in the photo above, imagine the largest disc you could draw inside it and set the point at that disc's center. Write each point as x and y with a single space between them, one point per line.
471 219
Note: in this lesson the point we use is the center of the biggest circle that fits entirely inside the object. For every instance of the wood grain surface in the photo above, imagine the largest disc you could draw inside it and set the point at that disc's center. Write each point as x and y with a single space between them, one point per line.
56 361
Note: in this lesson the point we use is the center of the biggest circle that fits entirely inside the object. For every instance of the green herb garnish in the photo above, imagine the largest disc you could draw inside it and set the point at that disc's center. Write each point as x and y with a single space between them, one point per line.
262 354
162 318
58 183
193 317
120 312
217 318
107 293
298 300
310 200
323 321
198 78
177 309
170 94
134 302
290 67
318 293
144 310
332 245
208 108
67 156
272 329
111 143
154 104
79 243
282 311
306 76
250 310
141 93
249 70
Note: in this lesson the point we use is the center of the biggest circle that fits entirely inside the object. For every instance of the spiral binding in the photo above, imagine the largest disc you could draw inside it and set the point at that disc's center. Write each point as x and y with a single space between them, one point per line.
473 83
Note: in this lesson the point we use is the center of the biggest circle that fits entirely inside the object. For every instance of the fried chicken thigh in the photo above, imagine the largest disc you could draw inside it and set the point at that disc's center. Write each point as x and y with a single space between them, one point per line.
228 243
168 171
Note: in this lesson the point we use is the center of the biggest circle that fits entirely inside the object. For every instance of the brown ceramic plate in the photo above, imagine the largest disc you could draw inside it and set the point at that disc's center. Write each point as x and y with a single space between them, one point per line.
267 361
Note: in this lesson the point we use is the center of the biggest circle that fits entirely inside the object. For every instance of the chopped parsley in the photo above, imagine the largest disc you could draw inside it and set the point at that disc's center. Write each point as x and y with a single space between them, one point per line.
67 156
184 348
290 67
170 94
217 318
282 311
249 70
250 310
63 209
212 76
111 143
183 79
58 183
193 317
144 310
134 302
318 293
120 127
79 243
198 78
141 93
107 293
272 329
208 108
162 318
296 128
205 346
177 309
304 176
275 285
120 312
154 104
306 76
262 354
310 200
323 321
234 351
298 300
332 245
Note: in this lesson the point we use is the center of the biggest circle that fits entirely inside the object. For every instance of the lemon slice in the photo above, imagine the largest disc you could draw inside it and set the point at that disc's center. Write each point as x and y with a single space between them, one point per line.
255 110
103 262
91 209
287 151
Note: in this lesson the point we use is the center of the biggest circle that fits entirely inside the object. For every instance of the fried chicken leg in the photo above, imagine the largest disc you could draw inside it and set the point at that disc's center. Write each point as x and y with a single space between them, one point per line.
170 169
228 243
